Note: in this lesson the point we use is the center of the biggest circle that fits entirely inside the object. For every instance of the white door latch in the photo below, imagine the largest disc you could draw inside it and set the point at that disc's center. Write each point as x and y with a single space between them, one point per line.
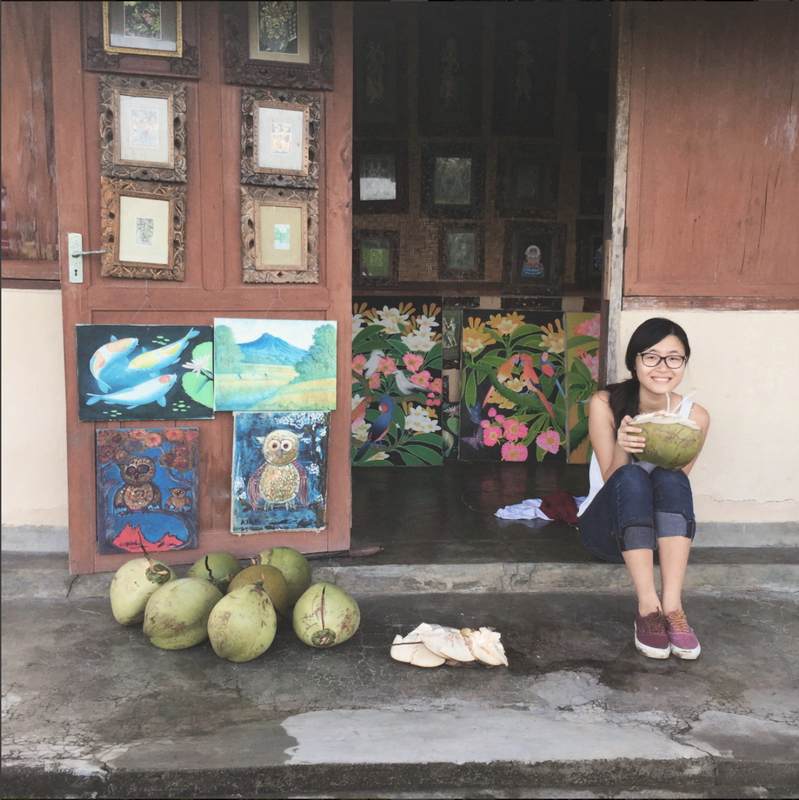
76 253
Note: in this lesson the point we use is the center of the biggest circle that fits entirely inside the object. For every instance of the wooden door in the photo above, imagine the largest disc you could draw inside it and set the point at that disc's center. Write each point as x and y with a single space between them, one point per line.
213 284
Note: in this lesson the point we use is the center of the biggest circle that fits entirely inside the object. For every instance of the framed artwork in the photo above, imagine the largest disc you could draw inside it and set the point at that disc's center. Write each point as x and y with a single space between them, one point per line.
278 44
147 489
380 70
450 63
533 261
145 37
453 180
590 265
275 364
279 471
280 235
396 382
528 181
145 372
280 138
142 128
525 70
592 184
375 257
380 179
461 251
451 338
143 232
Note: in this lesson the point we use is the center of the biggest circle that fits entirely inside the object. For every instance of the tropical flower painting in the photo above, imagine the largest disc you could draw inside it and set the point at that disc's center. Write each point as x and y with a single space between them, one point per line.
513 397
146 489
145 372
582 365
396 382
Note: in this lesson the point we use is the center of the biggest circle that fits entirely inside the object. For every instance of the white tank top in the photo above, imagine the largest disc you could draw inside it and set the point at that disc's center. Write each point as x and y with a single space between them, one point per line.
595 473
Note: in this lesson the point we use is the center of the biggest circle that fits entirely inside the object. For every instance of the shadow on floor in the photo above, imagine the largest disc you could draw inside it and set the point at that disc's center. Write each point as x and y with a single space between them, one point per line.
438 515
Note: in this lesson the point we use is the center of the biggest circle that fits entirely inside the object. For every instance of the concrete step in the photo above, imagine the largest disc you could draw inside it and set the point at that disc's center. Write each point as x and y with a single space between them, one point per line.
742 569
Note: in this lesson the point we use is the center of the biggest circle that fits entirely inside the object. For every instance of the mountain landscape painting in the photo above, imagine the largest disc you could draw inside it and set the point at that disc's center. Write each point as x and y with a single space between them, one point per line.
274 364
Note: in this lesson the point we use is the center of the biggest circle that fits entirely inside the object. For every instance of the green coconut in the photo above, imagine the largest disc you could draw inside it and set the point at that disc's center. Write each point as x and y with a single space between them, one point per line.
176 616
219 568
273 582
294 566
326 615
243 624
672 441
133 584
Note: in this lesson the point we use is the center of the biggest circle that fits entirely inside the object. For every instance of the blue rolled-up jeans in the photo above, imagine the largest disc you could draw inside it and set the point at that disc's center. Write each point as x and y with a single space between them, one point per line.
634 509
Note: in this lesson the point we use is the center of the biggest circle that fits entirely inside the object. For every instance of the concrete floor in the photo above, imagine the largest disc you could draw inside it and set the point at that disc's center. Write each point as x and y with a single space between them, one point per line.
91 709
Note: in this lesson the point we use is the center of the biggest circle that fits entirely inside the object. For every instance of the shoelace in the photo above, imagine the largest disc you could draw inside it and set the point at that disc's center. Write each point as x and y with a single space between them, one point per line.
654 624
678 622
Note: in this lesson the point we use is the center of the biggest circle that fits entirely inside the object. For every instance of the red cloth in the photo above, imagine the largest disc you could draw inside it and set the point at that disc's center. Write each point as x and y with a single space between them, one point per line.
560 505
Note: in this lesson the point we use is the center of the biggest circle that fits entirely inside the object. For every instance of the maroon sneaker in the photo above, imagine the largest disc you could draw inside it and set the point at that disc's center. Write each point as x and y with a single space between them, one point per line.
682 641
651 638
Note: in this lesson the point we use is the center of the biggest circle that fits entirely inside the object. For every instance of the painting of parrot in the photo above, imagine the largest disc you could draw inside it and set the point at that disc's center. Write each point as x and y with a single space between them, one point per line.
548 368
530 378
379 427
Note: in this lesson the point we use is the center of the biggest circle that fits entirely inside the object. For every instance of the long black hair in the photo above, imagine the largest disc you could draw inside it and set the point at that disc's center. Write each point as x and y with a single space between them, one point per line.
624 396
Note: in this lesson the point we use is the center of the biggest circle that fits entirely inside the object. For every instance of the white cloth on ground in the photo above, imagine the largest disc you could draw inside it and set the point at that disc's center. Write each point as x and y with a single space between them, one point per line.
529 509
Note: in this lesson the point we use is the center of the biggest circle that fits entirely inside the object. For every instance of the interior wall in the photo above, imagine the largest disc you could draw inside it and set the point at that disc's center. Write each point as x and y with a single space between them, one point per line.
568 52
749 468
34 444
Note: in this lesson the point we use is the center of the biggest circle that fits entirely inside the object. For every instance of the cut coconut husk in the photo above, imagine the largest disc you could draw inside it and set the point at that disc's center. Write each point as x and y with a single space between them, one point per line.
486 647
672 441
411 649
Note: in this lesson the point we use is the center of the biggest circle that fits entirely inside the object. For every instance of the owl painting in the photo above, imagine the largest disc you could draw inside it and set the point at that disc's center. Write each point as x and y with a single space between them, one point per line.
281 479
279 475
138 492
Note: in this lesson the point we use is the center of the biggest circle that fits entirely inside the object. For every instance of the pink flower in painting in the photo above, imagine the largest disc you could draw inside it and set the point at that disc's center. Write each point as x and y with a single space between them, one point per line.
492 412
491 435
592 362
432 400
413 361
499 419
374 381
588 328
514 452
549 441
358 363
387 366
421 378
435 385
514 430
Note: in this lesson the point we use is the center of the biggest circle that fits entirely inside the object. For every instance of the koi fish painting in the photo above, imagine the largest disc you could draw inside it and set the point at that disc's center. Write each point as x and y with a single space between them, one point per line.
147 489
145 372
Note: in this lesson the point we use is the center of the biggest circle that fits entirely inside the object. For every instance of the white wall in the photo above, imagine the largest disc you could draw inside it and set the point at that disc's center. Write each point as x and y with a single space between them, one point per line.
34 438
745 369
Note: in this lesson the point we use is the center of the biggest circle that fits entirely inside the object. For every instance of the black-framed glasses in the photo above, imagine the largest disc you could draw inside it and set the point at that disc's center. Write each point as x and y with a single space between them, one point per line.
653 360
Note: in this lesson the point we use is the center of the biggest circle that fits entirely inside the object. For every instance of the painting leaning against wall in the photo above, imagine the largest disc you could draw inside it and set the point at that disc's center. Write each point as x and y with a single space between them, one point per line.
396 381
582 374
147 495
513 401
279 471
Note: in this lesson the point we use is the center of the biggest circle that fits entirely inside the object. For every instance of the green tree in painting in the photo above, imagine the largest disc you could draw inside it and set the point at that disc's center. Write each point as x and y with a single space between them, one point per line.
228 354
320 362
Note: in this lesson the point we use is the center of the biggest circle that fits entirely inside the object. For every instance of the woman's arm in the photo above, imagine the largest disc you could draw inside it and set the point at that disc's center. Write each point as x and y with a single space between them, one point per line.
702 418
613 448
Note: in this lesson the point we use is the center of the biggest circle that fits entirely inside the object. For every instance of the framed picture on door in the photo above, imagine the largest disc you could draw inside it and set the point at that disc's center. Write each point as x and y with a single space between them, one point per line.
533 261
375 257
286 44
142 128
143 229
453 180
141 37
280 138
280 235
380 177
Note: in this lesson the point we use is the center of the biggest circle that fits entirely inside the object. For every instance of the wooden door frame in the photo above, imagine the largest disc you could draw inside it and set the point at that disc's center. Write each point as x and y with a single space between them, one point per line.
332 296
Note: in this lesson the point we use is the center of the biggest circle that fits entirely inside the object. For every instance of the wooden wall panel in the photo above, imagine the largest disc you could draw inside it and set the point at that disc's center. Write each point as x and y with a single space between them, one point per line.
30 240
713 181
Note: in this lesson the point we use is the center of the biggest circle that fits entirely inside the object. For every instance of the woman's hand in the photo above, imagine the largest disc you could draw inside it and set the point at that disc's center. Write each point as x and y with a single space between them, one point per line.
626 437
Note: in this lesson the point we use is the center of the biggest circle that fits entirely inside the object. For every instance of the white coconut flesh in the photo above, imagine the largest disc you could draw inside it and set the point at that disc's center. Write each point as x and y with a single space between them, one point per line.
672 441
433 645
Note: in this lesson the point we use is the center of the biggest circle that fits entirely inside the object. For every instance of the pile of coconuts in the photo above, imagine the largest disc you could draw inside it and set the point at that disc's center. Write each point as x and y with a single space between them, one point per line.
237 609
